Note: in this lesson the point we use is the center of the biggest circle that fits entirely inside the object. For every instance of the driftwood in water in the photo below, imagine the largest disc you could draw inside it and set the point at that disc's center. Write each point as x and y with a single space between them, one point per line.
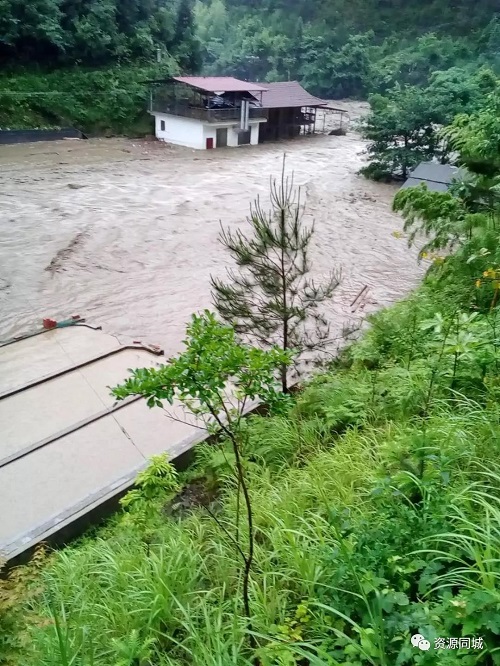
359 301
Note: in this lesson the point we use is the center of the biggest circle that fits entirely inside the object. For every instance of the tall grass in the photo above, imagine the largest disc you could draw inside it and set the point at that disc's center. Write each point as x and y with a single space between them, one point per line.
336 531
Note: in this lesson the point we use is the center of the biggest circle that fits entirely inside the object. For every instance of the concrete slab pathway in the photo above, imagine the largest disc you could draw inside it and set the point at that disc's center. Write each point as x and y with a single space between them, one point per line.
65 444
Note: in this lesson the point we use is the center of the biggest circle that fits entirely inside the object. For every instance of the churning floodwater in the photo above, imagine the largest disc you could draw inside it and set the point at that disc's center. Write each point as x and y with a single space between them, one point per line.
125 233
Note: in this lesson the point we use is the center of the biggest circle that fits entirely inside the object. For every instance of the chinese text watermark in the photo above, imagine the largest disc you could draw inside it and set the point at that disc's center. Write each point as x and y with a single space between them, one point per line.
467 643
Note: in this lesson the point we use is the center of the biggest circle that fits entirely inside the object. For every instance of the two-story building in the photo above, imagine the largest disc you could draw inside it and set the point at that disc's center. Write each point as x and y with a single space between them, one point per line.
207 111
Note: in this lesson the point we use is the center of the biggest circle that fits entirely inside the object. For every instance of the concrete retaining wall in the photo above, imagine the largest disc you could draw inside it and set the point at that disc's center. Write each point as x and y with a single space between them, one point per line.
28 136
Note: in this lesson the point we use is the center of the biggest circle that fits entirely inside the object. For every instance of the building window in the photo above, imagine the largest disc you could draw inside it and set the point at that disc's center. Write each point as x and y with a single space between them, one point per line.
162 125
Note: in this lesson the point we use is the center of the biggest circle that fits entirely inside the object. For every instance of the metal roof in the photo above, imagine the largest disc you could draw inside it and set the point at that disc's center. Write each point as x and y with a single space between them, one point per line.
437 177
431 185
286 94
219 84
438 173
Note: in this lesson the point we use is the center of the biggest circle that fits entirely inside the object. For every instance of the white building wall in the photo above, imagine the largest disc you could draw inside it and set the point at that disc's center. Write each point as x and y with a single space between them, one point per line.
232 137
180 131
210 131
194 134
254 133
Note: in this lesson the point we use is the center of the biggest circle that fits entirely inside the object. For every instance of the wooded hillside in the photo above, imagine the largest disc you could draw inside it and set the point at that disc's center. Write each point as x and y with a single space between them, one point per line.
51 33
85 62
346 48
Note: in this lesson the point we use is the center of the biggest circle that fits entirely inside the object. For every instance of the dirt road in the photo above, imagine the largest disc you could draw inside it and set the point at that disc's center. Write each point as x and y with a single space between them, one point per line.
125 232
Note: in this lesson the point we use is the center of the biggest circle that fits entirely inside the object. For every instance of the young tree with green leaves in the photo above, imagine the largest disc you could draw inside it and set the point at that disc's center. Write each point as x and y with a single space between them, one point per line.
401 132
271 299
215 378
150 487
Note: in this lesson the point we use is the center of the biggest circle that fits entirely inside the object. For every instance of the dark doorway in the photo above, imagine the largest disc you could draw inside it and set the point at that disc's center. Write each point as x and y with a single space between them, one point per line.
221 137
210 142
243 138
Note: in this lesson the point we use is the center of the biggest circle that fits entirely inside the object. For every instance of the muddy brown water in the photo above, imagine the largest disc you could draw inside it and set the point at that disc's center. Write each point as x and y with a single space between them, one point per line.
125 233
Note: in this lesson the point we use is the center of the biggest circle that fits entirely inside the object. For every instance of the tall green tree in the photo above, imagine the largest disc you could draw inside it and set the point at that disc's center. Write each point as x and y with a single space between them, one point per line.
95 34
185 44
401 133
403 125
467 217
31 31
337 71
413 62
455 91
87 32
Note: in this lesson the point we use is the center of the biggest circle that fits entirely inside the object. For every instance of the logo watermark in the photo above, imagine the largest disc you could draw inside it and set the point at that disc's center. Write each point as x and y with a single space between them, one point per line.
417 640
466 643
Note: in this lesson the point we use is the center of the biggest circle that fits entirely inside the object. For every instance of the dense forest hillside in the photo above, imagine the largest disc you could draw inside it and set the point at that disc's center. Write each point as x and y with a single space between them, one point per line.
50 33
57 55
85 62
345 48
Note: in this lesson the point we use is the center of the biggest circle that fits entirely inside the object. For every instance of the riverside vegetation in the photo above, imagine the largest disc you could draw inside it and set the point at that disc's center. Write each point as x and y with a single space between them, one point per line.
66 62
373 493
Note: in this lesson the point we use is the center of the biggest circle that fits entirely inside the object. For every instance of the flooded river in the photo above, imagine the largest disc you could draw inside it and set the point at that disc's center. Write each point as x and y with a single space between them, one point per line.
125 232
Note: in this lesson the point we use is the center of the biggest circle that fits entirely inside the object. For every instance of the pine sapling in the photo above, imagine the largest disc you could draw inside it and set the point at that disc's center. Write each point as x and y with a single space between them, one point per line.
271 299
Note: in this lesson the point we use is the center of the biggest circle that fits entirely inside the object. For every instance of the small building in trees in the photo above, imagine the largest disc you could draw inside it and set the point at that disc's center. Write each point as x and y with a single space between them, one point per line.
207 111
217 111
437 177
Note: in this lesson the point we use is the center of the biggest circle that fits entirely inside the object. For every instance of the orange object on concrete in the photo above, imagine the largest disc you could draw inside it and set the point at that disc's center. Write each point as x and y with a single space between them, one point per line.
49 323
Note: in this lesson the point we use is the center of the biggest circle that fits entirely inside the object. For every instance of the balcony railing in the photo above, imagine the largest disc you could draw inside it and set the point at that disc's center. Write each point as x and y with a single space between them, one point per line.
200 113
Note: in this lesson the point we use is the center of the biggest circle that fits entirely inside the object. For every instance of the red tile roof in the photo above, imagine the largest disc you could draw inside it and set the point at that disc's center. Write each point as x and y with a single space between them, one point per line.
288 94
219 84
